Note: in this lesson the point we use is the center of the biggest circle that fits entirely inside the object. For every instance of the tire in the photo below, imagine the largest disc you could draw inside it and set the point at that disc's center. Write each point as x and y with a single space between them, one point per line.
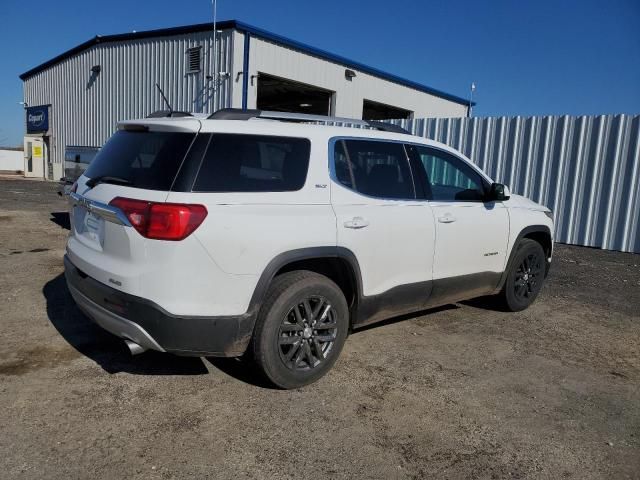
525 277
287 350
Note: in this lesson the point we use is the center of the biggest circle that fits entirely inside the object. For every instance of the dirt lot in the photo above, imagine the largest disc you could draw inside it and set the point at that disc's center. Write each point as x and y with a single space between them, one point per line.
461 392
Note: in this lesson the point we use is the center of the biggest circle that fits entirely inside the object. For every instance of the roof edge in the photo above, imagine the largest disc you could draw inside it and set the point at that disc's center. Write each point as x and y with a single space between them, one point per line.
119 37
296 45
257 32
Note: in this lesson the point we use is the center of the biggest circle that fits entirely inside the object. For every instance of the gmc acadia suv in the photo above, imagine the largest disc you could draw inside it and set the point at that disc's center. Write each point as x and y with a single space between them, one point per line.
274 235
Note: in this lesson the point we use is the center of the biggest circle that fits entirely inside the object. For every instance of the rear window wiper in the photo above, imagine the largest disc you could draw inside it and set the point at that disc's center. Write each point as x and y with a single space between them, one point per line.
92 182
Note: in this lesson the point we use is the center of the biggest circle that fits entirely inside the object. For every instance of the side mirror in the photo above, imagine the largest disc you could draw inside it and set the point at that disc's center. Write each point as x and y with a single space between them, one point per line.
498 193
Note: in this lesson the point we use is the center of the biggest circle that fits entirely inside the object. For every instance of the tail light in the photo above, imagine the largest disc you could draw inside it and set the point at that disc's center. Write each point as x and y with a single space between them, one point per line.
161 221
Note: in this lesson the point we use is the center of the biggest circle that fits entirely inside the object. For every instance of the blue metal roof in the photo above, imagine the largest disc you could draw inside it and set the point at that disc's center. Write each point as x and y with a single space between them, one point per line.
256 32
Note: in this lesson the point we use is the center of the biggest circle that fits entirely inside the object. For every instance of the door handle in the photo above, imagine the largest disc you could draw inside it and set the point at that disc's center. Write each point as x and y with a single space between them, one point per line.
447 218
356 223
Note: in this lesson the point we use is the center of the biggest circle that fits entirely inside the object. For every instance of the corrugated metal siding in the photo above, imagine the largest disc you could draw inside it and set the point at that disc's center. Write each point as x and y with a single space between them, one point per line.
86 108
586 169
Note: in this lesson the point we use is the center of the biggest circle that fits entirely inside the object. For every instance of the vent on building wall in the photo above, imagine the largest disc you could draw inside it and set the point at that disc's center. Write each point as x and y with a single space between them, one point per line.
193 59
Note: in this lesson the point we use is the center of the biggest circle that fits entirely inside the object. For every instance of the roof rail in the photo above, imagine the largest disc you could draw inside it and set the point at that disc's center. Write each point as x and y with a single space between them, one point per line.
388 127
168 114
239 114
234 114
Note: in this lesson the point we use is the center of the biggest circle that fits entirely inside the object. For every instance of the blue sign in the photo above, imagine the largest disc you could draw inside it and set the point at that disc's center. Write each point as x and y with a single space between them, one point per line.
37 119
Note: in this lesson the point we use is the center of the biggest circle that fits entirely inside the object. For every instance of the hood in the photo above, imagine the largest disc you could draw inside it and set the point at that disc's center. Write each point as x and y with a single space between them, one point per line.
518 201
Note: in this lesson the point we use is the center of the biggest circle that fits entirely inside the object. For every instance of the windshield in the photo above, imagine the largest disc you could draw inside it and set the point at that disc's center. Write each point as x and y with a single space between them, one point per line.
148 160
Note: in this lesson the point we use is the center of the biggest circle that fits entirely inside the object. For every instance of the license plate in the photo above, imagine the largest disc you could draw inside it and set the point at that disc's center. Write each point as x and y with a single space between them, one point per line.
93 227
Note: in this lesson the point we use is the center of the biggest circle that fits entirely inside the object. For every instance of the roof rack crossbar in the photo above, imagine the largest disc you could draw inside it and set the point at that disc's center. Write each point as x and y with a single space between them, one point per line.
239 114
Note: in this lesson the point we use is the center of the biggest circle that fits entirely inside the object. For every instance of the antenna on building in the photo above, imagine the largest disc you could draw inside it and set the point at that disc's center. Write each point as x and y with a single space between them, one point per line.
165 100
214 4
473 89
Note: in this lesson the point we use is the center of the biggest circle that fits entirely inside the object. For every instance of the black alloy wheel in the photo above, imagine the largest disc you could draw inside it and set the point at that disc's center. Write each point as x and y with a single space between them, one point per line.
528 274
525 276
301 328
307 333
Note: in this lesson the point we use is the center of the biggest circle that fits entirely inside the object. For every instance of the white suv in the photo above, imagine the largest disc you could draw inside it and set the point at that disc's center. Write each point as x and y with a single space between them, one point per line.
258 232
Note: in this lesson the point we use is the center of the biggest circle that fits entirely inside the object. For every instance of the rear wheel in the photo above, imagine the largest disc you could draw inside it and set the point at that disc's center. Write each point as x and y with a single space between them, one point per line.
525 277
301 329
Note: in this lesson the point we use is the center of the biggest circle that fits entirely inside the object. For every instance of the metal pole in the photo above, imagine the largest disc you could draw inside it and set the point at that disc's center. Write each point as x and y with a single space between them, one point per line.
215 54
473 89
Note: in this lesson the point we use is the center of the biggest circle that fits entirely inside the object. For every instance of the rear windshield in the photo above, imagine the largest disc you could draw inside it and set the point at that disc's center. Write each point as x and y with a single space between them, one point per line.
147 160
253 163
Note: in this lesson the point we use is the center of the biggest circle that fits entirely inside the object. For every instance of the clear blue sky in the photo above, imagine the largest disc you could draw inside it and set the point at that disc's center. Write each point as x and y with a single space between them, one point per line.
526 57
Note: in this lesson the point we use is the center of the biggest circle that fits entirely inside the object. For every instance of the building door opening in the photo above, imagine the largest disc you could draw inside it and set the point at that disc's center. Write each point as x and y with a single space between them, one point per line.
380 111
34 157
282 95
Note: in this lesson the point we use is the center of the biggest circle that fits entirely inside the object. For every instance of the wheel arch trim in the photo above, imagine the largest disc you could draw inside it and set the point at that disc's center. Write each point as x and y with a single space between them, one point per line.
310 253
523 233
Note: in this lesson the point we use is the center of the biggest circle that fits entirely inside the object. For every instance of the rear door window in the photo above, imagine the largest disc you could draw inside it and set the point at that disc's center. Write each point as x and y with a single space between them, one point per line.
374 168
253 163
148 160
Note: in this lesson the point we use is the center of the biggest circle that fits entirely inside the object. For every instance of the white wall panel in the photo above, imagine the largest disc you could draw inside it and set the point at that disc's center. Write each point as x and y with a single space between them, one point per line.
273 59
11 160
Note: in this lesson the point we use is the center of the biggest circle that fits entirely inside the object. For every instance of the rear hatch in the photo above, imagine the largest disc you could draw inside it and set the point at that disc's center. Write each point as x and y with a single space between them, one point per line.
135 170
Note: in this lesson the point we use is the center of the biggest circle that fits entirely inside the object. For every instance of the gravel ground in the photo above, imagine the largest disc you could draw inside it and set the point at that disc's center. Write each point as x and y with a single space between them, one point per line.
461 392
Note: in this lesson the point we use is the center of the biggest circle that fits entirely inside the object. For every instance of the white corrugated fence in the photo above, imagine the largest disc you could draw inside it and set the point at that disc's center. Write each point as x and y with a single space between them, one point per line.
586 169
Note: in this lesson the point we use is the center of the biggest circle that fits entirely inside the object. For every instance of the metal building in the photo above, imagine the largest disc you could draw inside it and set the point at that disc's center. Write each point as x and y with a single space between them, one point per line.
74 100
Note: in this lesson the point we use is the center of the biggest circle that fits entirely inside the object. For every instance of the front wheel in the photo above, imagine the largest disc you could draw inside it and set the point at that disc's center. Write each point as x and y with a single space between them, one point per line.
525 277
300 329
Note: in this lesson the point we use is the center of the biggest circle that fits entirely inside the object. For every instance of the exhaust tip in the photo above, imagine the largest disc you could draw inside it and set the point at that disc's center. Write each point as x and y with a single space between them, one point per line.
134 348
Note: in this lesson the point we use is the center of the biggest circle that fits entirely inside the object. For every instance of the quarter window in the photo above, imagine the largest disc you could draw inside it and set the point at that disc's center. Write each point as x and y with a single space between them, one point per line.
148 160
377 169
449 178
253 163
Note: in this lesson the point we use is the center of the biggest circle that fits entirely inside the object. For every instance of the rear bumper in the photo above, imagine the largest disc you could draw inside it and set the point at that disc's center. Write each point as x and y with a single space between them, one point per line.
149 325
